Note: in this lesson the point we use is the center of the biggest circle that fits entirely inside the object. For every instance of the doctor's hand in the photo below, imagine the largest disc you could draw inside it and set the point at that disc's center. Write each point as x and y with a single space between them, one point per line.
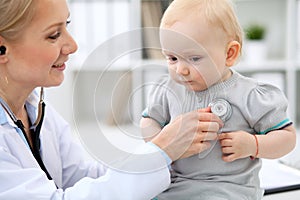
189 134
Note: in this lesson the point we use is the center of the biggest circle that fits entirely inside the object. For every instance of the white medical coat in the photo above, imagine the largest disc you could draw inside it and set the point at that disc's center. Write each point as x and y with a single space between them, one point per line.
22 178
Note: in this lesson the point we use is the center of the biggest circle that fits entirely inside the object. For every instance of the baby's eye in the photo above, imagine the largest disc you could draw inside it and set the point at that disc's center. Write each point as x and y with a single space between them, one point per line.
195 59
171 59
55 36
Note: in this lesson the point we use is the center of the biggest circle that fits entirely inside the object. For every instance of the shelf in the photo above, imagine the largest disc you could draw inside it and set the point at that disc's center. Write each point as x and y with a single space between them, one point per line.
242 66
277 15
264 66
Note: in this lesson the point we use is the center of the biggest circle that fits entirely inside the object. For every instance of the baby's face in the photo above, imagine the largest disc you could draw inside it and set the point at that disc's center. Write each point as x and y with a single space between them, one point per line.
196 53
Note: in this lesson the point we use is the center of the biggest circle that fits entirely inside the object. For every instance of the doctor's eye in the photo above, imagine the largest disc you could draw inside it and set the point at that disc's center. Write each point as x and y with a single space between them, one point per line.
68 22
55 36
171 59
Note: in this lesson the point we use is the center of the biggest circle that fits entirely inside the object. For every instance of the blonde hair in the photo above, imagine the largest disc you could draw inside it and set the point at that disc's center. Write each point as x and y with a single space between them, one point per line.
15 15
217 12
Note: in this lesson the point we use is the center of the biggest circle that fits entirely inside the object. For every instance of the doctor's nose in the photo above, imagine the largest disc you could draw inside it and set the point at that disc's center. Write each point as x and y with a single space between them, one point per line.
182 68
70 46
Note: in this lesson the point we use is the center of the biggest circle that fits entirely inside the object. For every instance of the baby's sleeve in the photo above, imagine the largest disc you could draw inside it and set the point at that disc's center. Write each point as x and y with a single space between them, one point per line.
266 107
158 107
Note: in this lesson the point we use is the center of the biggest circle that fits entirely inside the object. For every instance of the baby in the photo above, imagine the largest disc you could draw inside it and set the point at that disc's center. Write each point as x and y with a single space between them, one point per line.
202 40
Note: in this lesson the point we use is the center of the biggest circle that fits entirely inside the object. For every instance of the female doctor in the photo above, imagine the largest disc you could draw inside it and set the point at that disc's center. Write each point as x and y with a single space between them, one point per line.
38 158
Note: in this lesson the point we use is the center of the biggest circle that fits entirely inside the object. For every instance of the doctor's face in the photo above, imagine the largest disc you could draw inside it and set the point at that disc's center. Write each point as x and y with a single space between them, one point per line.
38 57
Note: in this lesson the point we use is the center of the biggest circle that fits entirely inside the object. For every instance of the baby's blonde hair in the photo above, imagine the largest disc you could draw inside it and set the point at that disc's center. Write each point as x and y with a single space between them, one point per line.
220 13
15 15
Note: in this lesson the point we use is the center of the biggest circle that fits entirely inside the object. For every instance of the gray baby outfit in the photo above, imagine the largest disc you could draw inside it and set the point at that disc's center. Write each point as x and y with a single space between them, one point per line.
257 108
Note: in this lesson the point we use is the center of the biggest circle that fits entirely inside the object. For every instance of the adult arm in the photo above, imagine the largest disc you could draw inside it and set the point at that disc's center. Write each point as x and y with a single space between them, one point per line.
19 182
31 183
21 177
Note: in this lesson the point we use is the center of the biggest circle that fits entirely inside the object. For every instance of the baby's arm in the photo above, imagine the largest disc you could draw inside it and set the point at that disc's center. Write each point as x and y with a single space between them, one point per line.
277 143
149 128
240 144
265 109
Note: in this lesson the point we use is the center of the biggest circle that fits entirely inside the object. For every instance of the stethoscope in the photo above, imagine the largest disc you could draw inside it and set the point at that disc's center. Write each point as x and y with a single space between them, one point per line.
35 129
221 108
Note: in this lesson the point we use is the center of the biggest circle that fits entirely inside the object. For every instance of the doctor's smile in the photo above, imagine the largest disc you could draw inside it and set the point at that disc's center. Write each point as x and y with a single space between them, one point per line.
59 66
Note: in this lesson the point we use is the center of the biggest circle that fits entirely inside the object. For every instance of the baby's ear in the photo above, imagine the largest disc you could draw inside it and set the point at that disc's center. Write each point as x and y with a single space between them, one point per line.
233 52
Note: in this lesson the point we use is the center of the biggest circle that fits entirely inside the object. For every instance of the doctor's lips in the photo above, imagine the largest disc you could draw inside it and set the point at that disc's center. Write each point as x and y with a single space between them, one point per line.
60 66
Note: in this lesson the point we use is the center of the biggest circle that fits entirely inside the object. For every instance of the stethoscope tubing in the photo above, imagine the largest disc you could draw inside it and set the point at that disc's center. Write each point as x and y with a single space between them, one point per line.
36 128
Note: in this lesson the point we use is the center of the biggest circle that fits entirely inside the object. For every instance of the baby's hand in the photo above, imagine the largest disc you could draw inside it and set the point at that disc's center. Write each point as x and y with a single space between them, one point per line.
236 145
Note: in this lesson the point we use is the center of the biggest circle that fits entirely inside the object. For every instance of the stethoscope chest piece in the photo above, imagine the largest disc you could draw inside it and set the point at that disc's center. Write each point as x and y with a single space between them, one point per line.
221 108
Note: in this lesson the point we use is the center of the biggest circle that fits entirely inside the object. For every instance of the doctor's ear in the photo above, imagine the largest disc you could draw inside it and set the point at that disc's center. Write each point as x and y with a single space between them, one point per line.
232 53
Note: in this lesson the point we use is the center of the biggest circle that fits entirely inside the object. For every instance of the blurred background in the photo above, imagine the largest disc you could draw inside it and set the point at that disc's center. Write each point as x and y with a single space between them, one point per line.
100 25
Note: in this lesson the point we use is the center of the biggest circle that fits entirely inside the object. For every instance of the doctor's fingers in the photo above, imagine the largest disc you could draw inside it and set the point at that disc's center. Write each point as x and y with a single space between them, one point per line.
195 148
205 136
208 127
201 116
210 117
